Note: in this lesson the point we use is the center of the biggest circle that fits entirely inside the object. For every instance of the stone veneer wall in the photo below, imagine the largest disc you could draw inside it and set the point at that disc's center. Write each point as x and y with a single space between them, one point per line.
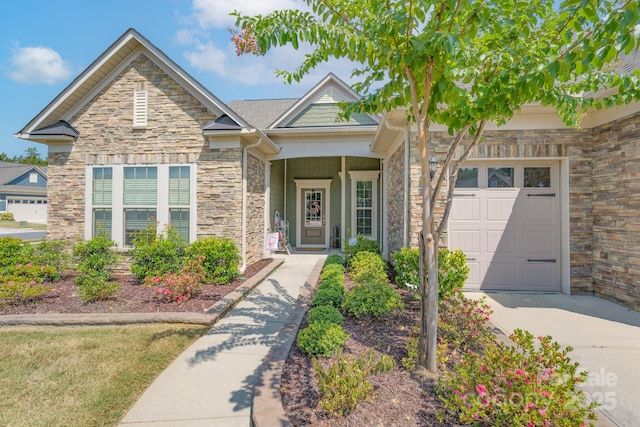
255 209
616 211
173 135
394 169
528 144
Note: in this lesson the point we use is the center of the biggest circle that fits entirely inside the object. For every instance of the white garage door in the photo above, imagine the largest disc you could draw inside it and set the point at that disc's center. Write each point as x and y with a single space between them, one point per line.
31 210
505 217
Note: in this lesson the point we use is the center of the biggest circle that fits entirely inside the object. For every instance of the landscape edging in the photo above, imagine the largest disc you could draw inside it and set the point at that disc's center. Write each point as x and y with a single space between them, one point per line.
208 317
266 407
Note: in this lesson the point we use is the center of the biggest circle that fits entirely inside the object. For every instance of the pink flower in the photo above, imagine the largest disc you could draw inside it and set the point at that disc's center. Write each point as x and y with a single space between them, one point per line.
482 390
545 393
543 412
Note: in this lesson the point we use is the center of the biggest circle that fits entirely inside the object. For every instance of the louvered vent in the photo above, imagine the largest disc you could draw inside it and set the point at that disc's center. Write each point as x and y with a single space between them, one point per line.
140 98
331 96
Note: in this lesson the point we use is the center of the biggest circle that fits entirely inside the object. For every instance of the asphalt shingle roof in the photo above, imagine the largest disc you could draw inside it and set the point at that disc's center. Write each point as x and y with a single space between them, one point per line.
262 112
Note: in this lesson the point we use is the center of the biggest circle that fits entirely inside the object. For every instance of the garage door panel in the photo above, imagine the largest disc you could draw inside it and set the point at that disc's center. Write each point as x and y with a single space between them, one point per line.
540 242
539 276
500 274
499 209
465 209
538 210
466 240
500 242
475 275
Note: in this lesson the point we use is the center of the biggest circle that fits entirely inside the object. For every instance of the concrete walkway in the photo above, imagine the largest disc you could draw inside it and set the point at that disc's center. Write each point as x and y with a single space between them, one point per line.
212 382
605 338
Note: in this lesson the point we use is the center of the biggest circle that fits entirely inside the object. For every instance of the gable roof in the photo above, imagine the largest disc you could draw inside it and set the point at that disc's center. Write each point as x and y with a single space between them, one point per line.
10 171
48 126
329 90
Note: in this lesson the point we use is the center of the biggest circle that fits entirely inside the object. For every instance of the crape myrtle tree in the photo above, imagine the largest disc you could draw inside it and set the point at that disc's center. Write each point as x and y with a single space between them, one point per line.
460 63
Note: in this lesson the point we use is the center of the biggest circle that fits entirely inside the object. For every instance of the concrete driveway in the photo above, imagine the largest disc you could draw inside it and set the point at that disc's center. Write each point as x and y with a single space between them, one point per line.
605 338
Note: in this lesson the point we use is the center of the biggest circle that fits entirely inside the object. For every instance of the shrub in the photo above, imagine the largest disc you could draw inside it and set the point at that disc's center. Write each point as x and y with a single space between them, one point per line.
321 339
155 254
523 384
182 286
95 259
96 286
363 244
452 269
325 313
95 255
332 271
52 253
12 251
7 216
21 291
372 299
335 283
334 259
327 296
368 267
463 322
406 263
221 258
345 384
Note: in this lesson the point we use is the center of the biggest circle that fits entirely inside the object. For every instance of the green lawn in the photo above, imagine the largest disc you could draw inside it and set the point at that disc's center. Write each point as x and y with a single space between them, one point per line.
23 224
82 376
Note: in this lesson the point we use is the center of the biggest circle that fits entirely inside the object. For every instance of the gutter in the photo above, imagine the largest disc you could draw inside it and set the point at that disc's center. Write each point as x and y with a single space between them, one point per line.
405 211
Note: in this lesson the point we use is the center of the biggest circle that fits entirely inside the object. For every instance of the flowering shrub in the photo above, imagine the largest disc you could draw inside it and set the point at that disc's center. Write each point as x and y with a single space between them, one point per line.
523 384
154 254
179 287
463 322
21 291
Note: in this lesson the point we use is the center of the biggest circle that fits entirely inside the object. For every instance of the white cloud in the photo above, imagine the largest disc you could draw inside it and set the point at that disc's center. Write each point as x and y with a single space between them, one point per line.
215 13
38 64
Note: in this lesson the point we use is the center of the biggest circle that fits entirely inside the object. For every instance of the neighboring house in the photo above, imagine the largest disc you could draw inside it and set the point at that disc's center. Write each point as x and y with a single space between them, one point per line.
23 191
539 206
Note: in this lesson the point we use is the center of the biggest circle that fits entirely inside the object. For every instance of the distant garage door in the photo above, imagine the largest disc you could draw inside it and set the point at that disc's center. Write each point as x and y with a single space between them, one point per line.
505 217
28 209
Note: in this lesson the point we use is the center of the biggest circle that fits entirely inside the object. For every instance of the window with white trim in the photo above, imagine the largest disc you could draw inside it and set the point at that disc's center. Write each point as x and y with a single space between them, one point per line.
364 203
126 199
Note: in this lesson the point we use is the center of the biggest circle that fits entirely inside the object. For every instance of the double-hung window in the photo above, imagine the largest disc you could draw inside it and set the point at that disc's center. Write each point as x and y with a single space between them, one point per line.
364 196
127 198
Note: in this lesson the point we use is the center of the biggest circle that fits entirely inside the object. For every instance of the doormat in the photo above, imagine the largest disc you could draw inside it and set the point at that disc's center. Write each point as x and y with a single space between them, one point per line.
311 249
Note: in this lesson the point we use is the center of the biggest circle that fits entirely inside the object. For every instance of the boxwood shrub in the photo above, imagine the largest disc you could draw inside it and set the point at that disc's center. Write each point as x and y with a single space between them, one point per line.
322 339
372 299
328 295
325 313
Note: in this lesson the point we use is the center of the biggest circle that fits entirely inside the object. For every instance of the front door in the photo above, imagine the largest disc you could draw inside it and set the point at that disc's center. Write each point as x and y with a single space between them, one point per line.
313 227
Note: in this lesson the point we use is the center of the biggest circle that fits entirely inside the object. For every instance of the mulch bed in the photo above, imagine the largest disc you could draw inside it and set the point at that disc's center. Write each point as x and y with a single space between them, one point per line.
131 298
401 398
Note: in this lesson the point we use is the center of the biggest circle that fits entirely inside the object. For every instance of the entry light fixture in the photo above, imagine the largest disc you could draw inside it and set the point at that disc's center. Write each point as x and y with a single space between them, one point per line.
433 166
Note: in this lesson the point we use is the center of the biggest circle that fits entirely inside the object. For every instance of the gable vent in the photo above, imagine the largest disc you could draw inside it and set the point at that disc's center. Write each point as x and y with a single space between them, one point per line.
331 96
140 105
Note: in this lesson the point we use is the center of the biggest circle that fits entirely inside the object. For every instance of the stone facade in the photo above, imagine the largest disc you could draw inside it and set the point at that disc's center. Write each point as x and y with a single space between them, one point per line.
256 186
616 211
173 135
394 170
517 144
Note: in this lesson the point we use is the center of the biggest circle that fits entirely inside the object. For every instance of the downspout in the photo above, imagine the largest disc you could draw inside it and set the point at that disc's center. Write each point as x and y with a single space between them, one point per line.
245 165
405 212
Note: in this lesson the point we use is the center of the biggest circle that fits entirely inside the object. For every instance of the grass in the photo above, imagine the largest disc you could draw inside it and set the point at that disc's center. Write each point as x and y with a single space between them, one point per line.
23 224
82 376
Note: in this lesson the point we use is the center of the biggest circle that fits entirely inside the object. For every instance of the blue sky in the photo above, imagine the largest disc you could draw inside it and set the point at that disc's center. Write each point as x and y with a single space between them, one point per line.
45 44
